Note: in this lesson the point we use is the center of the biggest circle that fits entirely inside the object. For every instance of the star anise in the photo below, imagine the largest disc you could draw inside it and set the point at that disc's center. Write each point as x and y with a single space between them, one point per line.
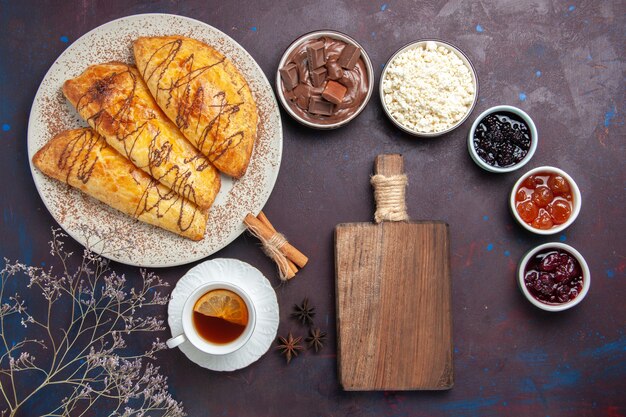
304 312
289 346
316 339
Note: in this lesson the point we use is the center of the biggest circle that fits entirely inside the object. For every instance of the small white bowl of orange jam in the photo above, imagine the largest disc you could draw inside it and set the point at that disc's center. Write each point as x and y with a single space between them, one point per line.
545 200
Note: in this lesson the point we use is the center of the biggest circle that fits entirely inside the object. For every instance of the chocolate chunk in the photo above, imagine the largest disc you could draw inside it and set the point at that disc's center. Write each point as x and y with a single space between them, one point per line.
349 82
301 95
315 55
300 60
349 56
334 92
318 105
289 74
334 70
317 91
318 76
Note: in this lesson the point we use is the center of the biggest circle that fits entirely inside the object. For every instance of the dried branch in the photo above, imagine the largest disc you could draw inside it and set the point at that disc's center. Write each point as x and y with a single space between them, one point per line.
81 328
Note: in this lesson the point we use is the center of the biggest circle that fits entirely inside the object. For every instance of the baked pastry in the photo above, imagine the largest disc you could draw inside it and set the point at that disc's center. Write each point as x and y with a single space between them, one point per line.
83 159
116 103
204 94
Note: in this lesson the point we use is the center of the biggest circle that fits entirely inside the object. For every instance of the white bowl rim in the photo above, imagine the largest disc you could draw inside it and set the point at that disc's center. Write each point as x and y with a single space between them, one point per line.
554 307
533 143
573 187
333 34
465 60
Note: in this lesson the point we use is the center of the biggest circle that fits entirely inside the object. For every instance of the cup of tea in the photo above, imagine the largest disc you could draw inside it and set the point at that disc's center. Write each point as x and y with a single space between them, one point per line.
218 318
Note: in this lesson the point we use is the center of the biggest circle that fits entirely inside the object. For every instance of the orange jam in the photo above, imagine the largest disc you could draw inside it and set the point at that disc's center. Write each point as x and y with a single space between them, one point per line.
544 200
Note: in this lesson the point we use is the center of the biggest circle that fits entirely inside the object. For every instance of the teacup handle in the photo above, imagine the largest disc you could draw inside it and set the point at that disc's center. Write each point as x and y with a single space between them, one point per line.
175 341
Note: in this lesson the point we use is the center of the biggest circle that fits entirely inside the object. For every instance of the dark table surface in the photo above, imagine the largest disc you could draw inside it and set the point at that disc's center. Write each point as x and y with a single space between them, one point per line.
562 62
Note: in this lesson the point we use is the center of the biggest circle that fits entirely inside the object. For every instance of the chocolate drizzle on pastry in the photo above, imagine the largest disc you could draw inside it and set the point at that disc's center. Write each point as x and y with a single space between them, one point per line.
181 74
116 103
83 159
79 151
192 102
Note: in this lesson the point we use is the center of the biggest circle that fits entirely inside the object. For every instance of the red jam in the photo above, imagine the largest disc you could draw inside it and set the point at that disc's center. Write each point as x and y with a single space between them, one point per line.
553 276
544 200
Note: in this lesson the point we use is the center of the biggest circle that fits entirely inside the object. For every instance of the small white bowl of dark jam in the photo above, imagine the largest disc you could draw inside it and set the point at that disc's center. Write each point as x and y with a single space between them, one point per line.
502 139
545 200
554 277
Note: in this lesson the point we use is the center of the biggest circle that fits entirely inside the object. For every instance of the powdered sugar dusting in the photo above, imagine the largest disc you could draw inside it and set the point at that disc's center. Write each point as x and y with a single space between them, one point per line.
97 225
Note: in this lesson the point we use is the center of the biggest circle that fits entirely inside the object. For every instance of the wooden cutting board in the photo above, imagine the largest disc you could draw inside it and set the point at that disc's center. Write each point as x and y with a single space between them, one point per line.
393 291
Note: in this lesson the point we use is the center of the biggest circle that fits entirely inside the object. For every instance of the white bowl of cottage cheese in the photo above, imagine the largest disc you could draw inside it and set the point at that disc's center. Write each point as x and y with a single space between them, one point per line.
428 88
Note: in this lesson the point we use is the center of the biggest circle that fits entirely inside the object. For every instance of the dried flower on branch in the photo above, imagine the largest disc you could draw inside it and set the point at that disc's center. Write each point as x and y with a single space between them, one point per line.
73 343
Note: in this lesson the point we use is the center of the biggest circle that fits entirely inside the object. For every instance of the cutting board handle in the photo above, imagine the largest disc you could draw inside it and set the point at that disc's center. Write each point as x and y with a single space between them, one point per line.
389 183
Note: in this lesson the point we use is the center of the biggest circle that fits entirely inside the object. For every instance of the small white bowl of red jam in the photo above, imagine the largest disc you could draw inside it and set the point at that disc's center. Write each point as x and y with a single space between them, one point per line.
554 276
545 200
502 139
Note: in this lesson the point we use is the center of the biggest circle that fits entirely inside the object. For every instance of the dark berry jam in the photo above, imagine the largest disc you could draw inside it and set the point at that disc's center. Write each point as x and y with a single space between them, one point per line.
553 276
502 139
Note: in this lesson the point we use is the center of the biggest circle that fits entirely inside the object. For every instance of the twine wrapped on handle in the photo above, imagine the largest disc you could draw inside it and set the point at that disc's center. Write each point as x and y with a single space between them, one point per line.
389 193
276 246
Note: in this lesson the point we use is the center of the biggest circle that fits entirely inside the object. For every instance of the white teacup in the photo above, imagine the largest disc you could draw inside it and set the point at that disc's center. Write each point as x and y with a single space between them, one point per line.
191 334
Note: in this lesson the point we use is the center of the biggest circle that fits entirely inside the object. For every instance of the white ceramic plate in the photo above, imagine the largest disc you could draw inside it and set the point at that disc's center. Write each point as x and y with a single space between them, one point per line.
109 232
263 297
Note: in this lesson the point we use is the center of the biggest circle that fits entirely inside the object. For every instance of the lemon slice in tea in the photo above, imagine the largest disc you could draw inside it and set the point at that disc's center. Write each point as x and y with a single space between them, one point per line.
223 304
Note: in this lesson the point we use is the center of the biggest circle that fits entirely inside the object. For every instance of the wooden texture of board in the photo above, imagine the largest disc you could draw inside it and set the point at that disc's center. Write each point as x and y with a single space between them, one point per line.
393 294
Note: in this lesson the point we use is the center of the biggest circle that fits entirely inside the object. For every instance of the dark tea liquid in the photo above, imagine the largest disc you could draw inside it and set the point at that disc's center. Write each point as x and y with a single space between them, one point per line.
215 329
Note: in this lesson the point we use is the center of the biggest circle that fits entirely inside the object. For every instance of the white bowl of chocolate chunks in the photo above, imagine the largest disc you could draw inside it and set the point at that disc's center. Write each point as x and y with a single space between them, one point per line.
324 79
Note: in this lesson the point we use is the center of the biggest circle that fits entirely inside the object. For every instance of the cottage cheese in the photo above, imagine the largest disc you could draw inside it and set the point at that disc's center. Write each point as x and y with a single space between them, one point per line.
428 89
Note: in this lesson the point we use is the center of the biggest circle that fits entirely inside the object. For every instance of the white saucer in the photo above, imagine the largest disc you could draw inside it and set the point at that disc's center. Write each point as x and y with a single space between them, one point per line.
263 297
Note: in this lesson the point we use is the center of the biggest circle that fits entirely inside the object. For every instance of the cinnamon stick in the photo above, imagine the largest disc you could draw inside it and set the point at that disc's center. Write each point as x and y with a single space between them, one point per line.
287 249
262 231
263 218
